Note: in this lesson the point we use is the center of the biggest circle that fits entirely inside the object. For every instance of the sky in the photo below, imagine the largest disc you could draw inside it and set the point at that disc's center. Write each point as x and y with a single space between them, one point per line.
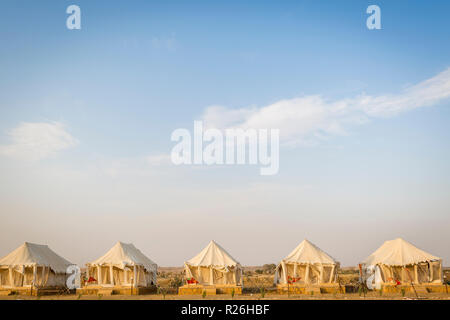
86 118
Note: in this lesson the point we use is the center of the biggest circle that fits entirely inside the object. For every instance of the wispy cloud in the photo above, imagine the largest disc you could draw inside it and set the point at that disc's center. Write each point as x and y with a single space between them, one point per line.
37 140
310 118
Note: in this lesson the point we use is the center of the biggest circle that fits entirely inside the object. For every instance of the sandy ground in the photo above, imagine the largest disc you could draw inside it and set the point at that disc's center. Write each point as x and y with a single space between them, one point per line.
253 282
270 296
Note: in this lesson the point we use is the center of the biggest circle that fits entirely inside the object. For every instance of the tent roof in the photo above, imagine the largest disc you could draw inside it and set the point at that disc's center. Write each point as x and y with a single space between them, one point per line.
398 252
123 255
213 255
307 252
30 254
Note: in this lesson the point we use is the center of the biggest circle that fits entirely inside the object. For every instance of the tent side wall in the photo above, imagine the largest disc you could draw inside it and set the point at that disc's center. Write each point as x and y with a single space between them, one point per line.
428 272
306 273
39 276
214 276
110 275
423 272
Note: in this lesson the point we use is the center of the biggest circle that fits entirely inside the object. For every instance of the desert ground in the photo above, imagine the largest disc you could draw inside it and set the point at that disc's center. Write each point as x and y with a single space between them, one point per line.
258 285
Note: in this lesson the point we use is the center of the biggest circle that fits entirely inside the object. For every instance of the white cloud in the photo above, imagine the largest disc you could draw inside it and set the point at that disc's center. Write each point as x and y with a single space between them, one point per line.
309 118
37 140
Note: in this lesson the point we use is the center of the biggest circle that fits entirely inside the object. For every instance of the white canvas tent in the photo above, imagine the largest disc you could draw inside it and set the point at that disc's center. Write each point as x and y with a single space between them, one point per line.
33 265
123 265
399 260
307 264
213 265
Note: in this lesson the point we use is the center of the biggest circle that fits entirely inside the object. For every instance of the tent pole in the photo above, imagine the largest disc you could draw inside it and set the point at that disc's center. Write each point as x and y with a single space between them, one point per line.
99 275
11 279
321 274
307 274
416 274
392 273
34 275
241 278
44 282
134 276
332 273
430 266
199 274
283 267
211 276
111 274
145 278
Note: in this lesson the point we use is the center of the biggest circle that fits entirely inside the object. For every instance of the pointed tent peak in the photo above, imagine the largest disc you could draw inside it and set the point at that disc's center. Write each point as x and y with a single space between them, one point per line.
308 252
26 245
398 252
399 240
30 254
306 241
124 255
125 247
213 255
402 242
308 244
120 244
214 244
31 244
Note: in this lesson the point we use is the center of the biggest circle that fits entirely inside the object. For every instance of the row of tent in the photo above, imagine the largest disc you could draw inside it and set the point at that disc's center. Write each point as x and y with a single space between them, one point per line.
123 265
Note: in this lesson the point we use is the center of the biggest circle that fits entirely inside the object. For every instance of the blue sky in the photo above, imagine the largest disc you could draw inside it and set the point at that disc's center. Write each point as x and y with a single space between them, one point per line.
138 70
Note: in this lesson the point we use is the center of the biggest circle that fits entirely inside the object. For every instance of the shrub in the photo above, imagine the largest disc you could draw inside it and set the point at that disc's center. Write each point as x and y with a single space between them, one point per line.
176 282
263 293
269 268
162 292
